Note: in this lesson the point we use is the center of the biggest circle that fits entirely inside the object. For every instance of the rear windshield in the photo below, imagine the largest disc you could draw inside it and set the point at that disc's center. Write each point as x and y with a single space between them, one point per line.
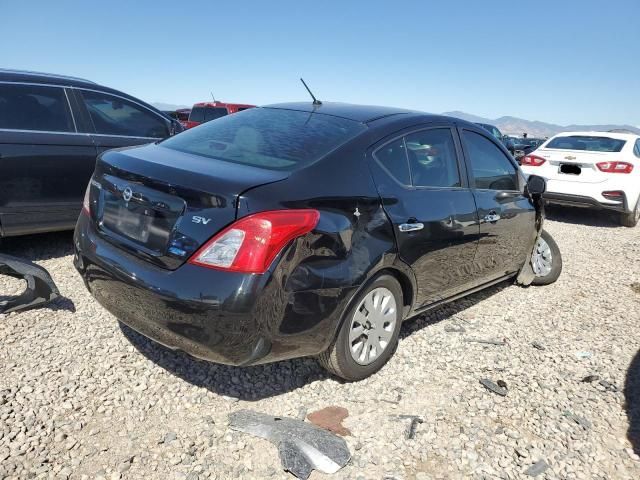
587 143
268 138
211 113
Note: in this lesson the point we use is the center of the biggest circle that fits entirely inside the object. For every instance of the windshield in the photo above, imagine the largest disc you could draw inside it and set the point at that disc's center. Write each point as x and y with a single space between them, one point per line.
587 143
270 138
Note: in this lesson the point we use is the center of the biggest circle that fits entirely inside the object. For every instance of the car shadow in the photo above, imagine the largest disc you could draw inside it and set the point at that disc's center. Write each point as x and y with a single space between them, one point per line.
632 402
583 216
273 379
43 246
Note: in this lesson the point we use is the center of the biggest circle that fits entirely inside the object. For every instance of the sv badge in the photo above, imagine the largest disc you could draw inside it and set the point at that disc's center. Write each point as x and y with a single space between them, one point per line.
202 220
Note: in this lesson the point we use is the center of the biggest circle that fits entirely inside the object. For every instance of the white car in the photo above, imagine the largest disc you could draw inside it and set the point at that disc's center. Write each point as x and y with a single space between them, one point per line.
591 169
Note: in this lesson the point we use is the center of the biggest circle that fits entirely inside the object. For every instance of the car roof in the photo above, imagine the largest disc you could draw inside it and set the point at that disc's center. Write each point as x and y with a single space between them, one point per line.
40 77
358 113
616 135
222 105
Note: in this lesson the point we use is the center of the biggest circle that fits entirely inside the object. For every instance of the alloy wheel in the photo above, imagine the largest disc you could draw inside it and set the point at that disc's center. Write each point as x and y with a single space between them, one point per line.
372 326
541 260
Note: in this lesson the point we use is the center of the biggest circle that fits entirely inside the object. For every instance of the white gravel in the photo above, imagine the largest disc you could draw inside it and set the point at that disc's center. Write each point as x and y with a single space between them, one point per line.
82 397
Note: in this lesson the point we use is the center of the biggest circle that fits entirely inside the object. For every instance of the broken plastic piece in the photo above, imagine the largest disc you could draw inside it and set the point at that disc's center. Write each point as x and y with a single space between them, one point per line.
490 385
40 286
590 379
302 446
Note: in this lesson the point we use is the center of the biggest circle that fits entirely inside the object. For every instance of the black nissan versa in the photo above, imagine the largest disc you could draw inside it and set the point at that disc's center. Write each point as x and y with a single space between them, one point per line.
52 127
305 230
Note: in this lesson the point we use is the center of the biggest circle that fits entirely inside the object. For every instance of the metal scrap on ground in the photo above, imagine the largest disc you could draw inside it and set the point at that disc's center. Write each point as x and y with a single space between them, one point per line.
495 388
40 286
303 447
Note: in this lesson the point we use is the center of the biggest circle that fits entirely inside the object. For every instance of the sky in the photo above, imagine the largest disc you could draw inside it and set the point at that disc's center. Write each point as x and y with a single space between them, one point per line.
561 61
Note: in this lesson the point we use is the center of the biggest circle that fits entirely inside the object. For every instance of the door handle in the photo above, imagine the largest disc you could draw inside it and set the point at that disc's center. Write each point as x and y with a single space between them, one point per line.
492 217
410 227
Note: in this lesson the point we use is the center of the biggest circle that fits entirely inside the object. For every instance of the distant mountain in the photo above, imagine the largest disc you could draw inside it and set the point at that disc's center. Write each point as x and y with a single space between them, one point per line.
517 126
168 106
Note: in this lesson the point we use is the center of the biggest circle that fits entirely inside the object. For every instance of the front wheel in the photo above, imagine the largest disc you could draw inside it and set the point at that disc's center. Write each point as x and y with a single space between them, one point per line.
369 333
546 260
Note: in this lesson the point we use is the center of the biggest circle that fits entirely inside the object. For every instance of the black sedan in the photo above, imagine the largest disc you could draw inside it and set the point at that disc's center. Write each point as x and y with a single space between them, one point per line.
305 230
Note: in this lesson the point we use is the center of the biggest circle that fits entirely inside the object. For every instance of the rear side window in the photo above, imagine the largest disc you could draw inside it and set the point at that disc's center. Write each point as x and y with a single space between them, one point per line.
393 158
491 168
586 143
213 113
636 150
269 138
34 107
197 114
432 158
113 115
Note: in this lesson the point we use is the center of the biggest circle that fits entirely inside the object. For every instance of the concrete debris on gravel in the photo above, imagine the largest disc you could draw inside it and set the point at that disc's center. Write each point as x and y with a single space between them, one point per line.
84 397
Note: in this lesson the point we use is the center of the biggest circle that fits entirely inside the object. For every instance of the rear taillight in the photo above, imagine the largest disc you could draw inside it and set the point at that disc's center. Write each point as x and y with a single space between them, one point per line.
532 161
615 167
250 244
86 203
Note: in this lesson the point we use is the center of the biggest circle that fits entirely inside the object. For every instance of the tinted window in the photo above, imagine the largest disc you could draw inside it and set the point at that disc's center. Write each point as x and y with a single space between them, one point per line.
197 114
213 113
32 107
490 167
115 116
393 158
269 138
588 143
432 158
637 149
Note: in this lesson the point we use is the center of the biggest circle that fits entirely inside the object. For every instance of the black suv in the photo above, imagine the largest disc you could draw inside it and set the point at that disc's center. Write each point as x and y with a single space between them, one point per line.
52 128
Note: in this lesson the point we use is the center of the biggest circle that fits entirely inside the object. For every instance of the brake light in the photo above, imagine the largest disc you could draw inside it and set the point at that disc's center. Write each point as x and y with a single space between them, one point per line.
86 203
250 244
615 167
532 161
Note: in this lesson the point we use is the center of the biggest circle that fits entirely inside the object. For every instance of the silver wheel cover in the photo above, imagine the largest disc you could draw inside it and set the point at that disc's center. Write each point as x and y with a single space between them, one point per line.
541 260
372 326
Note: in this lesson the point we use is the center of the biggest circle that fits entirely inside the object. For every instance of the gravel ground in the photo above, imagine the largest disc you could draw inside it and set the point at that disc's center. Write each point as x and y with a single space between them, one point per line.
82 396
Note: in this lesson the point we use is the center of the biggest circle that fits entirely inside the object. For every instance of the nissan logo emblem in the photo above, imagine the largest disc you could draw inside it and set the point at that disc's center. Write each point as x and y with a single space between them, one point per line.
127 194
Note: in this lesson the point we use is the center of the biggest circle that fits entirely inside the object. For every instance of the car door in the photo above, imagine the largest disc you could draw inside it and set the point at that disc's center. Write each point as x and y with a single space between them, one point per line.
119 122
424 191
506 215
45 163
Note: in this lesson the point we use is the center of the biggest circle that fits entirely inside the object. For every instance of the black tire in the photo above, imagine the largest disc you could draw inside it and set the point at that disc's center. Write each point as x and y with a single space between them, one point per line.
631 219
556 261
338 360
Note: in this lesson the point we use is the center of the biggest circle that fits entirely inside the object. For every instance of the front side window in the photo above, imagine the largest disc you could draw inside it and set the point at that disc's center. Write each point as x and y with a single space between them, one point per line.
34 107
491 168
213 113
267 137
113 115
432 158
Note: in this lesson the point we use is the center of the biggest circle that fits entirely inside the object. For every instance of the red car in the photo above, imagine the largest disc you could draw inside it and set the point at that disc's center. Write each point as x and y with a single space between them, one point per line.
206 111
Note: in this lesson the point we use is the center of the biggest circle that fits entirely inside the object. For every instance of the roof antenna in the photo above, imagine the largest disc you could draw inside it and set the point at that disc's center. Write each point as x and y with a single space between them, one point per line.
315 100
214 98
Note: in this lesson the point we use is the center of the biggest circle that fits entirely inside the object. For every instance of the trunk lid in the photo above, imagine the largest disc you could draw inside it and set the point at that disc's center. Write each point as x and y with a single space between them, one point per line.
162 205
575 165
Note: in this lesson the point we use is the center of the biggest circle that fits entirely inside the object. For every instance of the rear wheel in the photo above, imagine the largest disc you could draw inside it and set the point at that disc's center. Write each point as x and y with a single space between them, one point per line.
546 260
631 219
369 333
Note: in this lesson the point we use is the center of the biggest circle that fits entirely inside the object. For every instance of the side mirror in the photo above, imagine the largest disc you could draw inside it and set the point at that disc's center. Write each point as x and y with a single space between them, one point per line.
536 185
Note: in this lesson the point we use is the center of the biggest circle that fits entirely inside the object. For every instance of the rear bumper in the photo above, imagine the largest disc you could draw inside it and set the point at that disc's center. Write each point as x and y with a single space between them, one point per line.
584 201
224 317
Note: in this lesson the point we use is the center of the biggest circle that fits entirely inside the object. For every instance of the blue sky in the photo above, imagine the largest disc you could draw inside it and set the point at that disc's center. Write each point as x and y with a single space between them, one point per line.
558 61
